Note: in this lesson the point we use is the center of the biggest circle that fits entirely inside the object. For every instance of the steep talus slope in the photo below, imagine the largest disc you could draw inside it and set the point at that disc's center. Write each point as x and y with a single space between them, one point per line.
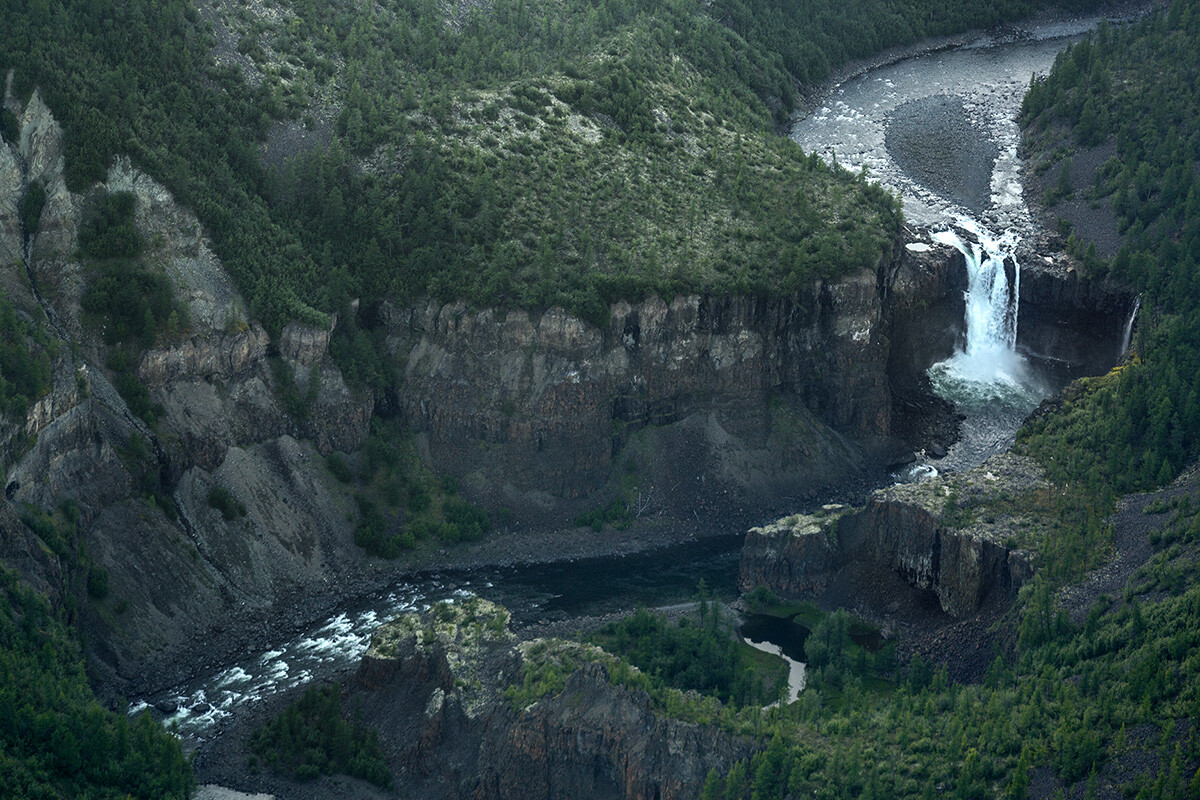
177 575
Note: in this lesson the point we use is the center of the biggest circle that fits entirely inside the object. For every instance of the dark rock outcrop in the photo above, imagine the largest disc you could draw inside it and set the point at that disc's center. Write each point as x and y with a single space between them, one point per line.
925 533
1069 318
433 688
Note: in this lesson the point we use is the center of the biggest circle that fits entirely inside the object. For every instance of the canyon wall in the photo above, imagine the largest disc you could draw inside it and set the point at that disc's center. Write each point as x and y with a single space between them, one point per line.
705 402
959 539
689 409
151 570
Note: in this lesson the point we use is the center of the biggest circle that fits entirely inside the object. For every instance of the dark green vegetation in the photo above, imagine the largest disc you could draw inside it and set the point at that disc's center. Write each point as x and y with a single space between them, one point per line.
685 667
703 656
1134 89
133 303
84 581
400 501
527 155
313 737
230 507
571 154
811 38
26 356
55 739
130 301
1084 700
30 208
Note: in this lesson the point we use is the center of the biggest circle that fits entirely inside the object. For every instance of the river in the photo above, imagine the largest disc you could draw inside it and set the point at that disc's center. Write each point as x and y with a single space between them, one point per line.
940 129
975 93
534 593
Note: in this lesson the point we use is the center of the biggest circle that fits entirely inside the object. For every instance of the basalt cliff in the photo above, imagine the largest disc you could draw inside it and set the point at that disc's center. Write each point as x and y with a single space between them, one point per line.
962 540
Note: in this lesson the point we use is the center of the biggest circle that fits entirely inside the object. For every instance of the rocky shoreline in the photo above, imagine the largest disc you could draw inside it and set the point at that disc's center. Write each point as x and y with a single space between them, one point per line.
812 99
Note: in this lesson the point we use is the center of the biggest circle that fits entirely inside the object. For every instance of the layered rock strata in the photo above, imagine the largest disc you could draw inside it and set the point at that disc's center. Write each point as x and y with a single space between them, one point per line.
705 402
959 539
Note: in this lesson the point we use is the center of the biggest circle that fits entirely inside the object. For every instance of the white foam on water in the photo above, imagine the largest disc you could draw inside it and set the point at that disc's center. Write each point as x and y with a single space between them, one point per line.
233 675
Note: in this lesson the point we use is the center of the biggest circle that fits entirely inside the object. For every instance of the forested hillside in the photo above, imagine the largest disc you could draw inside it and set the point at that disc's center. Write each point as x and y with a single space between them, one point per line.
1135 91
55 739
515 154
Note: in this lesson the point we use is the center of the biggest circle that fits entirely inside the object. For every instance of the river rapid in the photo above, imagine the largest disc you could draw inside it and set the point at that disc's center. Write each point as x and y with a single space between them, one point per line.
969 97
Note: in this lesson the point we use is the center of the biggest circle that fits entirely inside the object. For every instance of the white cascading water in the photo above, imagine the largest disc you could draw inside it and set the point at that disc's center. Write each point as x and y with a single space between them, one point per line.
988 381
988 367
1127 336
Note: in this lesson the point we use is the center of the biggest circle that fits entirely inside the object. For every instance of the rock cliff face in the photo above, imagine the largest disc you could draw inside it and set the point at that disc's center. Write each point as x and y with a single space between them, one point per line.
705 401
1069 318
433 689
958 539
178 572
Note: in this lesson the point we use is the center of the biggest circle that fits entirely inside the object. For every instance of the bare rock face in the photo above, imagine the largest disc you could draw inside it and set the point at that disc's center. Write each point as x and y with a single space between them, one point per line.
180 574
596 739
304 345
219 357
433 688
754 394
798 555
12 187
175 239
925 533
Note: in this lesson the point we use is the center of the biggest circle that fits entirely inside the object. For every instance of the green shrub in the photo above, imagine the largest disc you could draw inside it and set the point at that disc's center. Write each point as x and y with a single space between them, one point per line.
56 740
97 583
230 507
312 737
338 467
10 128
32 203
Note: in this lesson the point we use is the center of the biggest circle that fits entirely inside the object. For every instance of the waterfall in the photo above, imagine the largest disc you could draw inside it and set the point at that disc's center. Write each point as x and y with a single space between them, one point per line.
992 301
988 381
1127 337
